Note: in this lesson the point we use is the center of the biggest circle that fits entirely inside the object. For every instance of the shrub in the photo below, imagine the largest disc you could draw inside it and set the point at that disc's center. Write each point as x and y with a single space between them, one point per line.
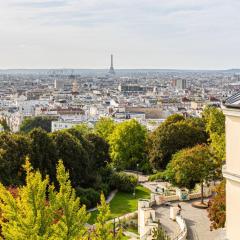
88 196
157 176
123 182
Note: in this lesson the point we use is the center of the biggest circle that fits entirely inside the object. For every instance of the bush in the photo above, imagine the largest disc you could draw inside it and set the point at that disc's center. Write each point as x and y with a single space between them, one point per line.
123 182
157 176
88 196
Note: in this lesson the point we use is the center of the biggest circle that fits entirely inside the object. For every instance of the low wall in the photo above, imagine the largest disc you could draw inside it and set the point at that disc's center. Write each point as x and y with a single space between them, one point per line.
183 228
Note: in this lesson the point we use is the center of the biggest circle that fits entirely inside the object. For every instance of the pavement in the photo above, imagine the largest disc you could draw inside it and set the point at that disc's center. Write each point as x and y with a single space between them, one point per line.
197 221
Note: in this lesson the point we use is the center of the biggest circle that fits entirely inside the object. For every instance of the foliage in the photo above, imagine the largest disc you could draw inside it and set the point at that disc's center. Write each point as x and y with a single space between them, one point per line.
88 196
43 152
105 127
127 144
191 166
215 127
123 182
160 234
124 203
40 212
43 122
100 150
83 128
103 229
172 136
13 150
157 176
74 156
217 207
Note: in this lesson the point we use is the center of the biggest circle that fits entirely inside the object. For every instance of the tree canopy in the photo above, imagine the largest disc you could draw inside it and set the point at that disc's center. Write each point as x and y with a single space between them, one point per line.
104 127
190 166
127 144
44 122
173 135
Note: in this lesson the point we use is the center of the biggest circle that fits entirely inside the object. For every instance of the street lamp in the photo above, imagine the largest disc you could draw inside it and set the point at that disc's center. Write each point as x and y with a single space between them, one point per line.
134 190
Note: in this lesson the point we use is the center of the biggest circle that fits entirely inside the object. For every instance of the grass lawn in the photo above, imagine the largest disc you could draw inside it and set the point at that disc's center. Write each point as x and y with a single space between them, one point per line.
123 203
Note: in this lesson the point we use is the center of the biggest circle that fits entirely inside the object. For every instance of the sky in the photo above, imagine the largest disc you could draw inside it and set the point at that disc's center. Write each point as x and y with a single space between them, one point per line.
163 34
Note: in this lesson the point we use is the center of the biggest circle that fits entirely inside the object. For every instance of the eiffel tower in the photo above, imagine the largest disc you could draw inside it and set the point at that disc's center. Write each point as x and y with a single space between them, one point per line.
111 70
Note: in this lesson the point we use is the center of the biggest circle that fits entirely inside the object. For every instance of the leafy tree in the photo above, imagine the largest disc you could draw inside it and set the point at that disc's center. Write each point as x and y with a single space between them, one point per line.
127 144
43 152
100 150
74 156
40 212
83 128
105 127
217 207
169 138
215 127
104 229
30 123
191 166
174 118
13 150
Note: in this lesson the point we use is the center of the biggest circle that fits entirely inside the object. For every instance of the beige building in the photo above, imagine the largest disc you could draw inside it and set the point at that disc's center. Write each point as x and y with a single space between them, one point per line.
231 171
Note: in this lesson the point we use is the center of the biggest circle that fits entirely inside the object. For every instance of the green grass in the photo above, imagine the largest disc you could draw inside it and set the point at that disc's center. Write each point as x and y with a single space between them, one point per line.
123 203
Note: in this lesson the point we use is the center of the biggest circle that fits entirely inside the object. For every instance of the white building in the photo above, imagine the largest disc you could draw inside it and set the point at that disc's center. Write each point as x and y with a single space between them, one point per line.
231 171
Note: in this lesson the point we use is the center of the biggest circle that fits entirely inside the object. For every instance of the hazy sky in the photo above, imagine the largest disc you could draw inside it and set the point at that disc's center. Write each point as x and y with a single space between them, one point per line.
185 34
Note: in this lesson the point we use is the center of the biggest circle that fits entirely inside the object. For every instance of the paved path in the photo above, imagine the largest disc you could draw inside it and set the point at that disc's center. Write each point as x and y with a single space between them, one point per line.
171 227
108 200
197 221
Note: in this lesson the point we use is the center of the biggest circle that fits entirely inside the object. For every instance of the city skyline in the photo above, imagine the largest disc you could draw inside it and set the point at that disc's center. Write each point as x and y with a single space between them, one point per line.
141 34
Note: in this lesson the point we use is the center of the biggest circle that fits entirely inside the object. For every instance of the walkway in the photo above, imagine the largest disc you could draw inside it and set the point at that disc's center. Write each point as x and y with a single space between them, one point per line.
197 221
108 200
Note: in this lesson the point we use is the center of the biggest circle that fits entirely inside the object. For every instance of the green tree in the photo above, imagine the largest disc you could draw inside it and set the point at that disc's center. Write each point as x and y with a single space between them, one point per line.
105 127
190 166
70 216
13 150
215 127
100 150
217 207
43 152
40 212
74 156
169 138
127 144
104 229
30 123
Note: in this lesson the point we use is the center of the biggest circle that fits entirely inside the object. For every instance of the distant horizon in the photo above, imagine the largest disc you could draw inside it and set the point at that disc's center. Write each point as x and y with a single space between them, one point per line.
142 34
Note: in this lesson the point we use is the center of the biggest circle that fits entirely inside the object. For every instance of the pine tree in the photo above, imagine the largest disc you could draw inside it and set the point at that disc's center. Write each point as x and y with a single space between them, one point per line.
70 217
39 212
28 216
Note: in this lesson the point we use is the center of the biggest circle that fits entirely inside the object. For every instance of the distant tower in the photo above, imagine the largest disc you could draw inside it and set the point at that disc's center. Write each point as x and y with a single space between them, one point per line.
111 70
75 88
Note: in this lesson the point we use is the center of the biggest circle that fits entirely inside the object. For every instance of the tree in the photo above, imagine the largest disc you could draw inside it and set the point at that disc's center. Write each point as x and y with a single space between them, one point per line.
215 127
30 123
103 228
169 138
105 127
190 166
217 207
40 212
43 152
127 144
73 155
100 152
13 150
